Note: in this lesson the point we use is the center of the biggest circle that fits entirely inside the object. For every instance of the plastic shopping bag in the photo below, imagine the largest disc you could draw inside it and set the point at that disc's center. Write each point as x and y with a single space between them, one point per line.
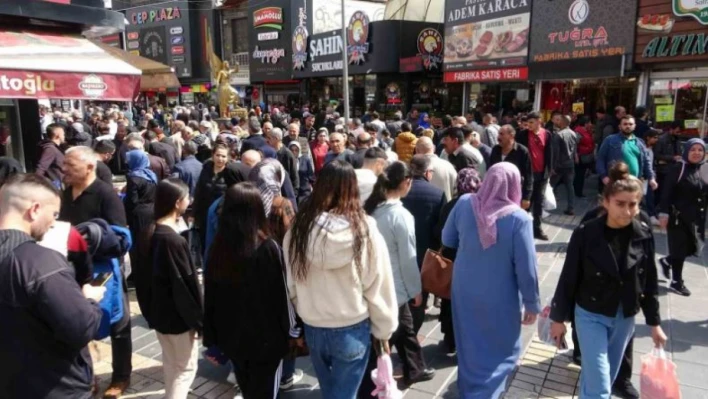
549 199
658 378
544 325
386 387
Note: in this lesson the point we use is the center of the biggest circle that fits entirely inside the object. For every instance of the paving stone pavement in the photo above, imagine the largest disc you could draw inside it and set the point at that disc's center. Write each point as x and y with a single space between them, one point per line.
542 372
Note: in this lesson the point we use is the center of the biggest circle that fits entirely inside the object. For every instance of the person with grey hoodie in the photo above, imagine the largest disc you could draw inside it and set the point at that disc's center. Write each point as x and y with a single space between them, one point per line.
566 149
397 226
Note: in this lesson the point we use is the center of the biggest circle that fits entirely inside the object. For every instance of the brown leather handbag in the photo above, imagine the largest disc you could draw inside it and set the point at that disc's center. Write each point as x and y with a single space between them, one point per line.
436 274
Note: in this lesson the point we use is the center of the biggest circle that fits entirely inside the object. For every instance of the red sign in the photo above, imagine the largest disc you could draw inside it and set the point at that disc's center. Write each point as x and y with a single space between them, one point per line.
178 50
80 86
271 17
487 75
411 64
59 1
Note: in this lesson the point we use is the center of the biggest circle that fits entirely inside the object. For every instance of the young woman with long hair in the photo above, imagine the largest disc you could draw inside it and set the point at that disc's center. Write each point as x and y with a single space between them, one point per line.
247 310
609 274
176 308
340 280
210 186
397 227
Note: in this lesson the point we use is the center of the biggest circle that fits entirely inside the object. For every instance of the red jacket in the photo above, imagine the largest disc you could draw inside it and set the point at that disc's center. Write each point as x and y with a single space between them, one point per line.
586 145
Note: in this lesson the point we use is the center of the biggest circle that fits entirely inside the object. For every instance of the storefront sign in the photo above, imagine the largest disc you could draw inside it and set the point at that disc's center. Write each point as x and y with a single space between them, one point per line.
155 15
578 108
430 47
393 93
327 14
300 47
672 30
268 45
411 64
269 17
161 34
588 29
665 113
487 75
357 37
486 33
45 85
697 9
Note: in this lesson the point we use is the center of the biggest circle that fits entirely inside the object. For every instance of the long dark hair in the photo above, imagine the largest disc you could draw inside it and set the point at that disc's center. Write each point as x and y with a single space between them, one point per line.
242 227
336 191
395 174
167 193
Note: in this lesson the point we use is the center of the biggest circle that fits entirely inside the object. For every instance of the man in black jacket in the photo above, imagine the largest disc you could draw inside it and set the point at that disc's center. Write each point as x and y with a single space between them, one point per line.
508 150
47 320
424 201
274 138
539 142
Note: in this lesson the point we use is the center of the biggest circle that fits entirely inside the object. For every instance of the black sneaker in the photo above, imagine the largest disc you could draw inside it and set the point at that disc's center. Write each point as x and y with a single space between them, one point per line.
290 382
625 390
665 268
427 375
569 212
540 235
679 288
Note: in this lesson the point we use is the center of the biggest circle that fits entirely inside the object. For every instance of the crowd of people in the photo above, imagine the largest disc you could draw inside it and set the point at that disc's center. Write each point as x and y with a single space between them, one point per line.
294 234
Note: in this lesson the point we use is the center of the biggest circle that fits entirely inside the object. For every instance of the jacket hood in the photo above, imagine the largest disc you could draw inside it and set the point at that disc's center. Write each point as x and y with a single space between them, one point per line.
331 243
408 137
11 239
387 206
47 143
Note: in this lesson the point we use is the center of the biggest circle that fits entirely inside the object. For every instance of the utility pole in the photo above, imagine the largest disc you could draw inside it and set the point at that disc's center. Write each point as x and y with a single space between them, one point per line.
345 69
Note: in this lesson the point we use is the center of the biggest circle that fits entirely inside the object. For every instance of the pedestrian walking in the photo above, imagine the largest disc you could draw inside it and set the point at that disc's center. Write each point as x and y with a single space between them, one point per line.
51 159
539 142
305 169
494 282
625 147
585 161
397 226
319 149
176 308
340 280
444 174
48 319
141 184
248 313
683 212
566 151
468 182
609 274
509 150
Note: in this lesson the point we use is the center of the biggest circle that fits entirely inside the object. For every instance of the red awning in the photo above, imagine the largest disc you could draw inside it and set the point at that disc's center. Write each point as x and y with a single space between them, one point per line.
53 65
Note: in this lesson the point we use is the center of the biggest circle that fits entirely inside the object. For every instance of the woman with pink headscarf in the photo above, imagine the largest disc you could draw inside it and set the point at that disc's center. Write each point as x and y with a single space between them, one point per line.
494 283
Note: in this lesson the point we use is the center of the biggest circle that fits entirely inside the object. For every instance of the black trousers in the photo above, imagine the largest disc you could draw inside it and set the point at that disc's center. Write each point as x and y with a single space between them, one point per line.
258 380
676 263
579 179
122 343
418 312
539 189
624 375
446 324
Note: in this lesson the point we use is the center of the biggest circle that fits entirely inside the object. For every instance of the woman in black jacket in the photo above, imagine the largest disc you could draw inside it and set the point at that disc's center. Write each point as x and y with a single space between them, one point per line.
608 275
176 309
248 313
683 212
210 187
139 201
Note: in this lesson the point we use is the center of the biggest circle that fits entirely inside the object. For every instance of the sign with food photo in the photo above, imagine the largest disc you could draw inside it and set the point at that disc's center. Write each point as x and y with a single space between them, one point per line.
577 29
486 34
671 31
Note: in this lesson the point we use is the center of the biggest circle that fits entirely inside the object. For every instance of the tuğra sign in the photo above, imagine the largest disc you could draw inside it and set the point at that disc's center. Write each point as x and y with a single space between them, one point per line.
672 31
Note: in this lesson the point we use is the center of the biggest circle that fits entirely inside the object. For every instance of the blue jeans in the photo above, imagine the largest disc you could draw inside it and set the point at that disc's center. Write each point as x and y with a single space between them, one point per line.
649 201
339 356
602 342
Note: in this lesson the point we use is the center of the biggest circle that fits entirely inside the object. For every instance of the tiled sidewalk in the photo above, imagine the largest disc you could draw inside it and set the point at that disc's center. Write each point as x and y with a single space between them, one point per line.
543 373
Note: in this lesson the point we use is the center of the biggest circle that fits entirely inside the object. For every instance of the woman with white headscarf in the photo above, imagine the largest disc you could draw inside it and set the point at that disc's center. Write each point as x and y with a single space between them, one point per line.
305 169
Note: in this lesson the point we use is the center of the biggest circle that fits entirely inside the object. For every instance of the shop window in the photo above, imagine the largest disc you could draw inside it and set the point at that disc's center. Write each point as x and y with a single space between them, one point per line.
586 96
10 134
682 100
239 35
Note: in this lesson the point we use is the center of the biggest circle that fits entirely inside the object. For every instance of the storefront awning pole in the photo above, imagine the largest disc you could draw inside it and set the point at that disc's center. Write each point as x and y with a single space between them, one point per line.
345 69
704 121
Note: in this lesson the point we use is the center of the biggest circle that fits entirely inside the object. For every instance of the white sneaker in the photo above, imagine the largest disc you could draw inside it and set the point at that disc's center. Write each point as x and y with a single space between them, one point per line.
290 382
231 379
655 221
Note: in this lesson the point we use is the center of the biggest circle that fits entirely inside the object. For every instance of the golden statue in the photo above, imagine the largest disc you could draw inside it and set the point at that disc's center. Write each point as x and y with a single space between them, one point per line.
221 74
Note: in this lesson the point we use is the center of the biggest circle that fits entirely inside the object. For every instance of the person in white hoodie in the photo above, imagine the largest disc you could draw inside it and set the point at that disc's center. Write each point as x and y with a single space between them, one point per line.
340 279
397 226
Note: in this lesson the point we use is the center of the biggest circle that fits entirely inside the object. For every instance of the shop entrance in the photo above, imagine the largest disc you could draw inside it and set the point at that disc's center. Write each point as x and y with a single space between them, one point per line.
586 96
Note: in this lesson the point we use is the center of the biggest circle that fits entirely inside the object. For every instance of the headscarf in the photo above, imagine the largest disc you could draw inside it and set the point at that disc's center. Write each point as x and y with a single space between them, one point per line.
299 147
421 121
269 176
468 181
687 148
139 165
499 196
8 167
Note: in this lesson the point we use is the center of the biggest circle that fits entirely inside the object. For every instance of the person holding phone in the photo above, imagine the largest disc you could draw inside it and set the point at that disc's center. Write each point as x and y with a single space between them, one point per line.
608 276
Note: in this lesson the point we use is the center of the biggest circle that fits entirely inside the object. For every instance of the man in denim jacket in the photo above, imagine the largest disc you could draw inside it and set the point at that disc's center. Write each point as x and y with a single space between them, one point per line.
625 147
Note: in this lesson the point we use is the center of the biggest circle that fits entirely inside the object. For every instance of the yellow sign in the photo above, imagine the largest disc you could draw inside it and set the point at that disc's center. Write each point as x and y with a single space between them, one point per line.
579 108
663 100
665 113
135 52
